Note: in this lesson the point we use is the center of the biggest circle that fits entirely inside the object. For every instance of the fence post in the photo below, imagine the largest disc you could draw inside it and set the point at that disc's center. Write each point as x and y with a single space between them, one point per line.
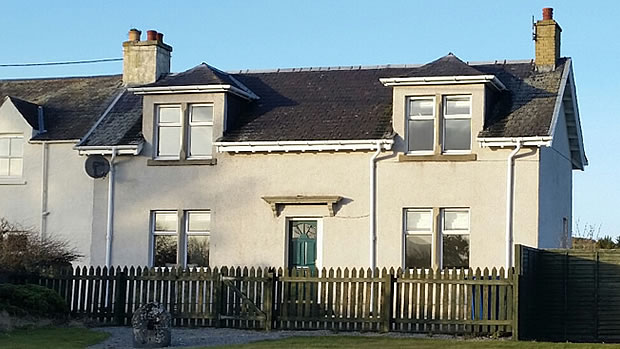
386 301
515 291
119 297
220 299
268 301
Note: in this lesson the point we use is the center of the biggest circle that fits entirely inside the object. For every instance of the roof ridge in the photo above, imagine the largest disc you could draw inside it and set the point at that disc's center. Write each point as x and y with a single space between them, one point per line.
62 78
365 67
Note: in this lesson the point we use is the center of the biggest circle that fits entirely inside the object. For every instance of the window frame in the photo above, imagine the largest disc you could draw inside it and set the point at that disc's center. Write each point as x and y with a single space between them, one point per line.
8 157
419 118
185 124
190 124
442 230
157 132
155 233
446 117
429 232
187 233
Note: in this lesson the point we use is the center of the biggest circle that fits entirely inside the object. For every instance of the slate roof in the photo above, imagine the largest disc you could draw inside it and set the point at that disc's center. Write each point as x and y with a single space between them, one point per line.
448 65
353 104
122 125
526 109
202 74
296 104
71 105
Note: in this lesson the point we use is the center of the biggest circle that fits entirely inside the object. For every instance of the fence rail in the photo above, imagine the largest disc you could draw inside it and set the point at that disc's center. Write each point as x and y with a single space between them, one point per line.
455 301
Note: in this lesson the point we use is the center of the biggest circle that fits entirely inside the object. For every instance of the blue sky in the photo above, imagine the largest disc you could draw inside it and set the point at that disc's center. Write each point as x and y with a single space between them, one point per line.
276 34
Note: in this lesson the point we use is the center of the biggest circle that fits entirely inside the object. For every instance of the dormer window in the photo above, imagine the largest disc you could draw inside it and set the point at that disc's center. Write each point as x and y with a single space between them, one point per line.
454 121
184 132
200 131
457 124
169 131
11 156
421 125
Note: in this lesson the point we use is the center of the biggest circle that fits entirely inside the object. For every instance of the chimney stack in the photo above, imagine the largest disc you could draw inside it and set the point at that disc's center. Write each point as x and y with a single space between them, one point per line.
146 61
547 37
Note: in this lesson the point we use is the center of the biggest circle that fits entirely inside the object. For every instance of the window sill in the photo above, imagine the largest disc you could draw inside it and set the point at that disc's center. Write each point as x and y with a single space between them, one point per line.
437 157
184 162
16 181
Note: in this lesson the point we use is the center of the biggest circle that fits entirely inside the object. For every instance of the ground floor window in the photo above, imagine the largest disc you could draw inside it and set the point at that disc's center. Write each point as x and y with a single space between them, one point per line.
165 238
455 238
184 245
198 227
436 237
418 238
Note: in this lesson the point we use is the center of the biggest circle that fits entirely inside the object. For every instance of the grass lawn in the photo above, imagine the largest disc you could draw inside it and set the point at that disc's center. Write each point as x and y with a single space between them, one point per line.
390 342
52 337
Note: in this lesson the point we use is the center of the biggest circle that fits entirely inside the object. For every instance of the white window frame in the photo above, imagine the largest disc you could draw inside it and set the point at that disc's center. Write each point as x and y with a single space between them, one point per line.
430 232
199 124
155 233
10 137
188 233
158 126
444 231
413 117
455 117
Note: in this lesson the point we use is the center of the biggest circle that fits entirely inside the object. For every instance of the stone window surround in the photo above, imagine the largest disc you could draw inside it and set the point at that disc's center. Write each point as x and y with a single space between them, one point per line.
183 159
181 233
437 155
436 231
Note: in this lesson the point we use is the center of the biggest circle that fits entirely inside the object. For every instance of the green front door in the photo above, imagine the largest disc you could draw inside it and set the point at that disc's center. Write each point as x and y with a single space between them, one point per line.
302 243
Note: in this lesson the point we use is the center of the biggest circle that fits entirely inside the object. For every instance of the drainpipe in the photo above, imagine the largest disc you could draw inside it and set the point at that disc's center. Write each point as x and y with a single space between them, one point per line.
372 214
44 174
109 229
510 203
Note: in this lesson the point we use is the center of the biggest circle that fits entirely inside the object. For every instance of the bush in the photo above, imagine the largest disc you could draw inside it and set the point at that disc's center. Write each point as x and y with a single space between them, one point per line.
32 300
24 250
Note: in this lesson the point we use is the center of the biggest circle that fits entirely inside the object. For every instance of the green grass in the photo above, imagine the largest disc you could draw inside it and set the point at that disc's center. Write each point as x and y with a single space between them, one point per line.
390 343
51 337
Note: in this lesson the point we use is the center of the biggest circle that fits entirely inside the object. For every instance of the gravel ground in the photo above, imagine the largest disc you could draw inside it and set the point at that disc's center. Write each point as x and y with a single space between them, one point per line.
121 337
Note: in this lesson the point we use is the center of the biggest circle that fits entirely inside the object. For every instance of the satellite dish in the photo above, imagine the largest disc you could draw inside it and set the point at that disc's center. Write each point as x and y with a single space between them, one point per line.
97 166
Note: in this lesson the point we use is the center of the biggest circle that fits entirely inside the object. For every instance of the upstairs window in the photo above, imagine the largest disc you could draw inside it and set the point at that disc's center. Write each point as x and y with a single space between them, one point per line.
11 156
453 120
421 125
184 132
200 131
457 124
169 132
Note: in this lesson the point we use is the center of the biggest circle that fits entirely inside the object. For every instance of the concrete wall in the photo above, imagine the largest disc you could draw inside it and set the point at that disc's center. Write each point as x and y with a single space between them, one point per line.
70 194
246 232
556 190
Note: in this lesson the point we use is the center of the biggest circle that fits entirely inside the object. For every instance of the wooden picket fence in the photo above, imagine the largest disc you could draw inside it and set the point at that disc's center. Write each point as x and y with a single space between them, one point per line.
454 301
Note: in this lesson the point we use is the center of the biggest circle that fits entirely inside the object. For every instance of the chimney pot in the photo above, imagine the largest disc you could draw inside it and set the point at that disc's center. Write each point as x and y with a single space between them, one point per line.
547 13
134 34
151 35
160 37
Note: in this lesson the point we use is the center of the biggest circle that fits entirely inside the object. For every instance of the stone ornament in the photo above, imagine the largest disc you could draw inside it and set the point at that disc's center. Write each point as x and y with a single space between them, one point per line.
151 326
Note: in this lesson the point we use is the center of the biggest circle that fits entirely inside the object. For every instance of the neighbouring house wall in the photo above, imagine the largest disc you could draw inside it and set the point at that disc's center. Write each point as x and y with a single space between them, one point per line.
556 190
70 194
21 203
244 230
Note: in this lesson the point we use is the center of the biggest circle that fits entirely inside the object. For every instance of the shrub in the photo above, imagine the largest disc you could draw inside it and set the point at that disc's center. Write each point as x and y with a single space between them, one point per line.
32 300
24 250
